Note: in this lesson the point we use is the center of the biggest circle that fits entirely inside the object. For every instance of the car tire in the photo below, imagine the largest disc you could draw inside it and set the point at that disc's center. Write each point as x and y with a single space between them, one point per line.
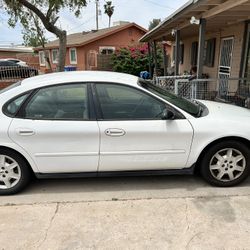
15 173
226 164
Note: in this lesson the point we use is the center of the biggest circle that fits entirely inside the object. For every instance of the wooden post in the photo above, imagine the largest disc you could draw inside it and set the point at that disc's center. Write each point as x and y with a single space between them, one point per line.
155 58
165 61
201 49
150 60
177 51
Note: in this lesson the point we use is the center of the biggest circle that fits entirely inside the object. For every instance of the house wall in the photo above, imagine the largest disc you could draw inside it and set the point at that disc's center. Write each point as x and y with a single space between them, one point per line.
120 39
30 58
7 54
236 31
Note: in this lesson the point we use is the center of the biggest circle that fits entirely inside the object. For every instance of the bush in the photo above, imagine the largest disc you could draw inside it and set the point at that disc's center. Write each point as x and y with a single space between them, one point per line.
131 60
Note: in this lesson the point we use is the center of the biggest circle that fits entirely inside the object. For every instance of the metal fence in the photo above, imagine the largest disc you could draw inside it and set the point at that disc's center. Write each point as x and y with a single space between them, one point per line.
10 73
231 90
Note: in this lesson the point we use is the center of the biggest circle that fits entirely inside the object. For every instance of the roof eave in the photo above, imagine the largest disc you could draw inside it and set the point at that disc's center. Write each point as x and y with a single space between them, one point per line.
95 39
147 37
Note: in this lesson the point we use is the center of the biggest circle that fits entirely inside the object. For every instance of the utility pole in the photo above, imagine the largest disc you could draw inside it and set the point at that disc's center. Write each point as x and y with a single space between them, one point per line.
97 14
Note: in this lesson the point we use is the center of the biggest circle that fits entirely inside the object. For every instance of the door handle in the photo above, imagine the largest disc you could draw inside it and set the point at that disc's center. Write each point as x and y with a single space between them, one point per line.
25 132
115 132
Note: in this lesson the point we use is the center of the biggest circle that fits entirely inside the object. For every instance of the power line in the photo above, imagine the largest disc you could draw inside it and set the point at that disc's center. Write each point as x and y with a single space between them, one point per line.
161 5
88 20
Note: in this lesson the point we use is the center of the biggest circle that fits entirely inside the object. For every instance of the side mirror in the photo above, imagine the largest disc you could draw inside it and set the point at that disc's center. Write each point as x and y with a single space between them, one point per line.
167 115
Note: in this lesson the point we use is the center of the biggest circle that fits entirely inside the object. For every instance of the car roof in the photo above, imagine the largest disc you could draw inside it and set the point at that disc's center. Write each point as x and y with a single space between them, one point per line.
79 76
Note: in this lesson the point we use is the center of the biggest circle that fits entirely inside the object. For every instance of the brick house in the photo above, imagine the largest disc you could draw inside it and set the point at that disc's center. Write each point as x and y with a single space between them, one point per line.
83 49
213 35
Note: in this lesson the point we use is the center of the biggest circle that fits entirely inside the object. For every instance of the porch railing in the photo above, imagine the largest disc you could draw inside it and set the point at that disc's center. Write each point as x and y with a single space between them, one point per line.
231 90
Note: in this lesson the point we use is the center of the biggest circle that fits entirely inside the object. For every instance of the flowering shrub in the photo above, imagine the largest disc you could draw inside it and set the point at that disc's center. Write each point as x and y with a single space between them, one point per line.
131 60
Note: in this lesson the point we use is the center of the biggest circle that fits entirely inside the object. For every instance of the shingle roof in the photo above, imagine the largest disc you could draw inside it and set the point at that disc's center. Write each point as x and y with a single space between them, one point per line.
82 38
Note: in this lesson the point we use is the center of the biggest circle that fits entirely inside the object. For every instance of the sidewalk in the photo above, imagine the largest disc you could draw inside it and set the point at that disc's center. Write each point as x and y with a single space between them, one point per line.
214 220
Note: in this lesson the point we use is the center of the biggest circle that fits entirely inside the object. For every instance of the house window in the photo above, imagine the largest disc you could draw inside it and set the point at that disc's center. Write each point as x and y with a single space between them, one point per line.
194 53
210 52
107 50
55 53
72 56
42 58
173 56
182 54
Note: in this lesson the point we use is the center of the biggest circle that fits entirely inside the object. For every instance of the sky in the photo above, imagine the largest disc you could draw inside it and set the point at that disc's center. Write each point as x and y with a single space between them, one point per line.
138 11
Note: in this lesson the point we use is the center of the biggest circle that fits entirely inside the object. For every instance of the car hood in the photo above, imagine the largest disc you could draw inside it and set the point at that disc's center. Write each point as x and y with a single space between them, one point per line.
223 110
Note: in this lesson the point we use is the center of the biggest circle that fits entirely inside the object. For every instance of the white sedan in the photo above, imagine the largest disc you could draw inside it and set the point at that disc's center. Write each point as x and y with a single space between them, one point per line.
86 124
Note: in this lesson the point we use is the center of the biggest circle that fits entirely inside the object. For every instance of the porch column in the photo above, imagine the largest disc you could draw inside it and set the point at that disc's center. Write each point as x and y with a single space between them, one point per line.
165 61
155 58
150 59
201 49
177 51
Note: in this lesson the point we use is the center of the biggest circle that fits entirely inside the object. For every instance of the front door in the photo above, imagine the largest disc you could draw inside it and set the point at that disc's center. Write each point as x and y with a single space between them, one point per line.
133 135
55 128
226 55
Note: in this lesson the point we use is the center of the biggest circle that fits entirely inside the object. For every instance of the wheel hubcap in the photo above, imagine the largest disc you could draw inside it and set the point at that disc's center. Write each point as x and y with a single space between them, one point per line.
10 172
227 165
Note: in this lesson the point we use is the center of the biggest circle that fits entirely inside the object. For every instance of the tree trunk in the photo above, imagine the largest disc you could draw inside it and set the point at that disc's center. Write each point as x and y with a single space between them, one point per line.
46 53
109 21
62 50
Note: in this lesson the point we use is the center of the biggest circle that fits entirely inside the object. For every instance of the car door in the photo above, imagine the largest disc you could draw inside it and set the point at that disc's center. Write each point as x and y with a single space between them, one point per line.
133 134
56 127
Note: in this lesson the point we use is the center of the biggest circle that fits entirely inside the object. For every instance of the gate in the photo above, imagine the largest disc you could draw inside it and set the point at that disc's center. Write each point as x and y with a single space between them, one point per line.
226 55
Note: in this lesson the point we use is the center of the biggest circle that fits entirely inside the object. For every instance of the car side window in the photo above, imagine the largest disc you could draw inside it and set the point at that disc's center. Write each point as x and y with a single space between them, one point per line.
64 102
127 103
13 106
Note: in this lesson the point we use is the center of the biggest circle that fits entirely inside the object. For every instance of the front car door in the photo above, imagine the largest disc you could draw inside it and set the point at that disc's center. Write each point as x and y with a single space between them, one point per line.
56 128
133 134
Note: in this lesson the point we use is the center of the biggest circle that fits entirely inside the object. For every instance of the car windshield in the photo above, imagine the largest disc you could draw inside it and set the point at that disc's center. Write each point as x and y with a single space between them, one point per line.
12 86
182 103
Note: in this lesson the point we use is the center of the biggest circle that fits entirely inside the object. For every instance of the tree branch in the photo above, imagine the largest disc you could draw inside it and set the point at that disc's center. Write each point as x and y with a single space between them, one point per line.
46 21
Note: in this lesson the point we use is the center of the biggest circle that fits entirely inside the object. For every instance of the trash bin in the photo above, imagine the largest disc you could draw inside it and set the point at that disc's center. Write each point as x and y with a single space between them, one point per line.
70 68
144 75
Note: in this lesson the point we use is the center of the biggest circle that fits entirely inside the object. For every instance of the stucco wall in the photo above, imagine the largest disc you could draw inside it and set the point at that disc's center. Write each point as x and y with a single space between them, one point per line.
236 31
120 39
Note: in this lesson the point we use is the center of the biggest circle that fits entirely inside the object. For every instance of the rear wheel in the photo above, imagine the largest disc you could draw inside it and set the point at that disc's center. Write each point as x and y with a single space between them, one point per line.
14 172
226 164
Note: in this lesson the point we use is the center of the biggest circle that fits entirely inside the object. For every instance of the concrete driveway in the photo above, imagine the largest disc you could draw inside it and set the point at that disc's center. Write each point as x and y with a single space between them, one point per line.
177 212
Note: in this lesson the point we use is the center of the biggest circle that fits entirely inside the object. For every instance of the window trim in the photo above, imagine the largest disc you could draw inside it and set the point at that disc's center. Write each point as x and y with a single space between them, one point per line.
91 110
56 60
99 113
70 59
42 52
107 48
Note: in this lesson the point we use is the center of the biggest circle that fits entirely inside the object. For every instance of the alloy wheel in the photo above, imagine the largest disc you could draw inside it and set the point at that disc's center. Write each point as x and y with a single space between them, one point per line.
10 172
227 165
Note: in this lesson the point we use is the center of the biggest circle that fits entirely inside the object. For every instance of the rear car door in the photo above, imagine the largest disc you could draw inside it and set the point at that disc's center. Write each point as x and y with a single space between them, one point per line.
56 126
133 134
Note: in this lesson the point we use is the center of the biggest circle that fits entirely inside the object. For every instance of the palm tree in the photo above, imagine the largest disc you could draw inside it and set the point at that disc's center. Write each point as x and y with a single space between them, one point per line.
109 10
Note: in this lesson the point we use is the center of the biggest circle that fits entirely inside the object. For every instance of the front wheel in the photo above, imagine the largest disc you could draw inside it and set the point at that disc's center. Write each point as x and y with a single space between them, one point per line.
14 172
226 164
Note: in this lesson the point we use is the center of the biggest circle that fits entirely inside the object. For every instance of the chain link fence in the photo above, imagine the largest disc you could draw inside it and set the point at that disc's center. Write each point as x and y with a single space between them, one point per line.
231 90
